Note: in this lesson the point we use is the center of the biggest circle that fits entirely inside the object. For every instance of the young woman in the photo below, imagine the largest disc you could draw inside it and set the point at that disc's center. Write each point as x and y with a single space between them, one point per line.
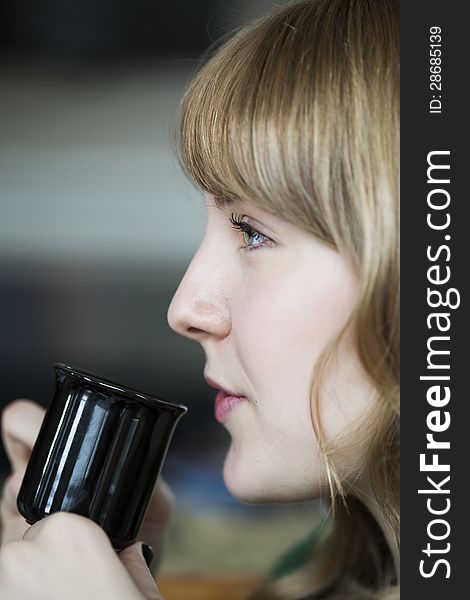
291 130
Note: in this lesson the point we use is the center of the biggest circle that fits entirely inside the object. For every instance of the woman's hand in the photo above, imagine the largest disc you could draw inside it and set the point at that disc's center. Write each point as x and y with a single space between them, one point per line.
69 556
21 421
154 525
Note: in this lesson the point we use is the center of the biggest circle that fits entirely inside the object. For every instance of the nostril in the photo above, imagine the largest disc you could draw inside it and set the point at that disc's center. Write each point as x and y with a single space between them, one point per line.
194 331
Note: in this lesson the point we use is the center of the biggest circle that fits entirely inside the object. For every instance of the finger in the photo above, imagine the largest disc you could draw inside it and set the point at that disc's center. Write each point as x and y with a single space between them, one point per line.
134 561
161 504
13 524
65 528
21 421
10 493
39 528
33 531
155 523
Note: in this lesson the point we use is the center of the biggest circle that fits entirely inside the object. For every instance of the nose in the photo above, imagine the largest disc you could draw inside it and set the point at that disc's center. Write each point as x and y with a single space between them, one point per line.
200 308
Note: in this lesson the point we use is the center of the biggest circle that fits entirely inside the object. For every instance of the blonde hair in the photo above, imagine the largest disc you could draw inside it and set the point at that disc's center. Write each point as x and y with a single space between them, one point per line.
299 114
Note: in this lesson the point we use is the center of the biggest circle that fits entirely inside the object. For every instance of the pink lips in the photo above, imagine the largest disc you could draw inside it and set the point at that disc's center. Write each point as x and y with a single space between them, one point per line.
224 405
225 400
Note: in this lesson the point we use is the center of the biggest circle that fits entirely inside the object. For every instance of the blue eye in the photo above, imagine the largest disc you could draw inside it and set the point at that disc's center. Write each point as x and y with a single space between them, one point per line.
253 239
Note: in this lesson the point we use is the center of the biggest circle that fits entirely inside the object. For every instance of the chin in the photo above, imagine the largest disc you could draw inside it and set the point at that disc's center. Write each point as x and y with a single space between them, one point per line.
248 494
242 480
252 486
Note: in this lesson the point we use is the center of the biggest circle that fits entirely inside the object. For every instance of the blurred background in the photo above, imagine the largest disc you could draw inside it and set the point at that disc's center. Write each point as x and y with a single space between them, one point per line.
97 226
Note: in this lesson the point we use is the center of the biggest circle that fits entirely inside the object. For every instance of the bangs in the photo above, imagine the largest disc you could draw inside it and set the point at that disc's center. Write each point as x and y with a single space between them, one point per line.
241 131
270 117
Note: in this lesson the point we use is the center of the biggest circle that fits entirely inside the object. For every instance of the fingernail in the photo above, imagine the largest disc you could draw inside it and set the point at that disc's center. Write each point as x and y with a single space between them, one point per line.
147 553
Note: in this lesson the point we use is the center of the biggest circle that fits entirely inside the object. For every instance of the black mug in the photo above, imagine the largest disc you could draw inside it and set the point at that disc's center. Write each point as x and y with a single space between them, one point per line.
98 454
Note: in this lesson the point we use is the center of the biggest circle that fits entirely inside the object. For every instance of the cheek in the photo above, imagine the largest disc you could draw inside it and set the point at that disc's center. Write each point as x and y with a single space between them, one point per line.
279 336
284 324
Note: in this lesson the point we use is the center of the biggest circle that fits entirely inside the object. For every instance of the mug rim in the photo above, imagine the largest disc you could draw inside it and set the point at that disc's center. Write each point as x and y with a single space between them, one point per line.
108 385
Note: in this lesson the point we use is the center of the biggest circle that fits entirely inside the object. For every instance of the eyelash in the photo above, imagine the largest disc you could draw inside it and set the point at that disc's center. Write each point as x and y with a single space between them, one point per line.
244 227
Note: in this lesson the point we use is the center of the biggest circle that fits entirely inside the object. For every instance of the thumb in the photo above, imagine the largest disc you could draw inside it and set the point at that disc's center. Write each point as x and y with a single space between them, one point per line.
20 424
133 560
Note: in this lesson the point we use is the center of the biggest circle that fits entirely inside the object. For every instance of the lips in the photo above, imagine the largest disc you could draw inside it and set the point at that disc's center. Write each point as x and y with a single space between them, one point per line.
225 401
225 404
216 386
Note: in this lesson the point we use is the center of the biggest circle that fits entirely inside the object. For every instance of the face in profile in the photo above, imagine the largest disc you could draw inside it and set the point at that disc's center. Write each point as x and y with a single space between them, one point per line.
264 298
